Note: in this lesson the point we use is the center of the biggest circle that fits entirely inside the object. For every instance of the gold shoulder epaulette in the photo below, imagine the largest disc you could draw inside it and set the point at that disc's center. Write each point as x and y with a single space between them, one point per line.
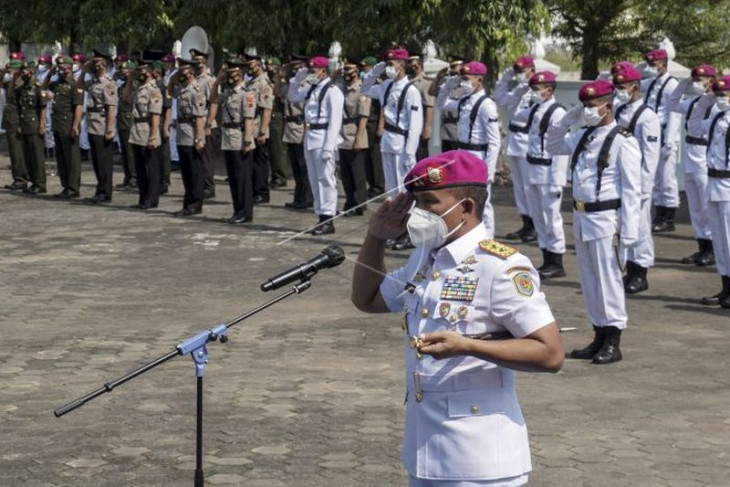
495 248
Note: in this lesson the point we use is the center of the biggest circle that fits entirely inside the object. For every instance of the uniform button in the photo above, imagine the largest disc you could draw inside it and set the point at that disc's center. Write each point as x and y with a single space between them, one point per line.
474 409
435 275
424 312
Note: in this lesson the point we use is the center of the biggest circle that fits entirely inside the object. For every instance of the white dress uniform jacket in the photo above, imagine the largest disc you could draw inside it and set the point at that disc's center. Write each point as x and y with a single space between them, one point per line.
463 420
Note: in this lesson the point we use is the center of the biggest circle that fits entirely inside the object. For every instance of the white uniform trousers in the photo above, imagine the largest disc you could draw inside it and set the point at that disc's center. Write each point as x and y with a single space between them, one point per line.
600 280
395 168
695 186
643 252
519 182
323 182
720 224
666 188
508 482
544 201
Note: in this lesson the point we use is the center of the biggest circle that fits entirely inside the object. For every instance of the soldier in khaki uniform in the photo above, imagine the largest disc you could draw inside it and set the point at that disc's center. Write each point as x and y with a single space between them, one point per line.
11 124
205 81
191 113
100 115
238 110
293 135
262 86
163 151
124 124
415 68
68 101
145 136
355 141
32 105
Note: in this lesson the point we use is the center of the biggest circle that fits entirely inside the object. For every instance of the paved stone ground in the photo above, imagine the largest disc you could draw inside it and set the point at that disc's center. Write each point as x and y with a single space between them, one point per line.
308 393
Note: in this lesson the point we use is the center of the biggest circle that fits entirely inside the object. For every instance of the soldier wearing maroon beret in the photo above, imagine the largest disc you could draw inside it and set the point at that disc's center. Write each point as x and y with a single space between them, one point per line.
606 174
458 286
657 89
632 113
685 100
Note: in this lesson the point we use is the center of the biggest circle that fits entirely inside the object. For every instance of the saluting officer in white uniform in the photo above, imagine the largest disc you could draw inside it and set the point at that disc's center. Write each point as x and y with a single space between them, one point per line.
657 89
478 124
464 426
717 130
633 114
545 173
513 101
323 108
403 112
606 174
684 100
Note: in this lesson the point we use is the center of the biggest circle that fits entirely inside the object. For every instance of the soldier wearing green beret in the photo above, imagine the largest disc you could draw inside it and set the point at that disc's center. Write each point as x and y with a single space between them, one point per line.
68 101
11 125
32 107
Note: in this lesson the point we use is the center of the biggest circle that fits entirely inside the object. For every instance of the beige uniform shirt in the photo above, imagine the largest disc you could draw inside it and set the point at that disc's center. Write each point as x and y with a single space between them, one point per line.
206 82
356 106
236 105
264 91
191 104
102 94
423 85
146 101
293 123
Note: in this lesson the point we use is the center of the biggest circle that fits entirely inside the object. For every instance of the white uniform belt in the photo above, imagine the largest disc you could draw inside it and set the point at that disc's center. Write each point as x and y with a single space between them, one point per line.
458 382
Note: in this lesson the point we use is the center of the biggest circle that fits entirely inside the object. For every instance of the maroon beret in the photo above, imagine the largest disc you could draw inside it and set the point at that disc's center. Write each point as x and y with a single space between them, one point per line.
722 84
397 53
656 55
704 70
474 67
17 56
523 62
595 89
620 66
319 62
168 58
447 170
543 77
79 58
626 75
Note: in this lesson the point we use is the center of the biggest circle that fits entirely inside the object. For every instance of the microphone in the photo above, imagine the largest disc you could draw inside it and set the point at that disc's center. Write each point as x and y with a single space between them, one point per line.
331 256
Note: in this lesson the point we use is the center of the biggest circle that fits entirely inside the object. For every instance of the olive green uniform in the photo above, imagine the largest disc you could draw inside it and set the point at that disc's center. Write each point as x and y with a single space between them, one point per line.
124 126
11 125
66 98
31 102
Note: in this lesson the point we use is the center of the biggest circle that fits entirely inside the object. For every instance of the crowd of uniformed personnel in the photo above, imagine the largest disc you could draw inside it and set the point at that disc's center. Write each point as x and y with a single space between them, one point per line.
371 121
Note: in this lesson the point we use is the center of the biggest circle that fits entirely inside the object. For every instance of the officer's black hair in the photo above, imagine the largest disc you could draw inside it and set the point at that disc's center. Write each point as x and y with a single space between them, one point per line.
478 194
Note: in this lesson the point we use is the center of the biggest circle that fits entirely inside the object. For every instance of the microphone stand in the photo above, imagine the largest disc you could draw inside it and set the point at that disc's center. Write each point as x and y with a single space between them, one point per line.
196 347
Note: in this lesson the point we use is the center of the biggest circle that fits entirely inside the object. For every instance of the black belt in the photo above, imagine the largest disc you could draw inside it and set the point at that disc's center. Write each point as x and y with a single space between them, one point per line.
94 109
348 120
232 125
396 130
718 173
316 126
539 161
520 130
582 207
294 119
142 119
474 147
695 140
188 120
449 119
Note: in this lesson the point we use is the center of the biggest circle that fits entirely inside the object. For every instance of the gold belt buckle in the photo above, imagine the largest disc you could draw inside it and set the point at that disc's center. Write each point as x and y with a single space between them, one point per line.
580 206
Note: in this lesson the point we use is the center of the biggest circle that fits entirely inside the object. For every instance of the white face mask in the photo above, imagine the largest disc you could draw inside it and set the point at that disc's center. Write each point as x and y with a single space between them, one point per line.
591 116
467 87
651 71
76 67
312 79
7 77
429 229
698 88
723 102
536 96
391 72
42 68
623 96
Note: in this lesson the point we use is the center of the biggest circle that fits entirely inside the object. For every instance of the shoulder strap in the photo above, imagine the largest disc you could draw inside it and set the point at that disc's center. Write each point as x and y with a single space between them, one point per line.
402 101
545 120
727 148
661 92
602 162
651 87
621 110
474 113
689 111
320 99
581 147
712 128
531 116
636 117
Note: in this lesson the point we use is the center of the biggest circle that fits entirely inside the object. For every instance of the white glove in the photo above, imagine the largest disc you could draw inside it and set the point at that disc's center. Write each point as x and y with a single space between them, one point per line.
453 82
301 75
572 116
379 68
666 151
627 243
328 156
509 73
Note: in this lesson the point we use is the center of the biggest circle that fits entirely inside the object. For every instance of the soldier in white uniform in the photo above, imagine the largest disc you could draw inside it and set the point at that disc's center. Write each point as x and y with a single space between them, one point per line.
657 90
633 114
684 100
606 175
478 123
545 173
464 426
717 131
323 109
512 101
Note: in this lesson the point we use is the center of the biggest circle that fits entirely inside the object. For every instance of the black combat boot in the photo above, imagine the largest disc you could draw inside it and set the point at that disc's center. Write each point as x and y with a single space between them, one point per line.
659 212
636 281
545 259
707 253
517 234
692 259
530 234
719 297
667 223
554 268
326 226
599 334
610 351
725 302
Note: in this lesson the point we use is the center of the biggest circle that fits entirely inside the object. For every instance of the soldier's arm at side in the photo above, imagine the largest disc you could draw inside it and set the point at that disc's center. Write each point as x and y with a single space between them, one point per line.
629 165
154 129
415 124
490 119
